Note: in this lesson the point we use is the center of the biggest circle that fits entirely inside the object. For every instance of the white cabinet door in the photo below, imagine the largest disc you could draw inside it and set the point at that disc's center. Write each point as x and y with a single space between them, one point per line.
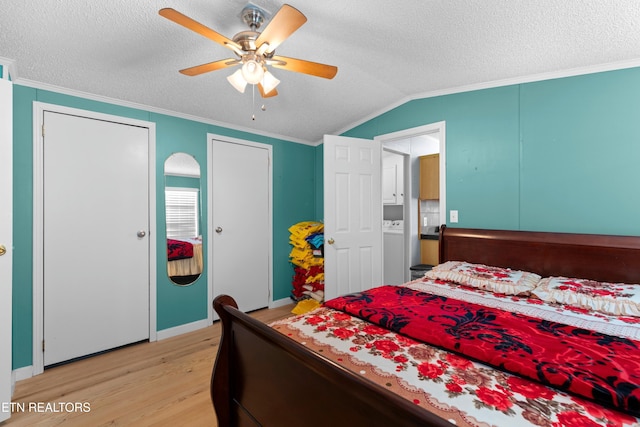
352 215
6 239
389 184
392 179
400 180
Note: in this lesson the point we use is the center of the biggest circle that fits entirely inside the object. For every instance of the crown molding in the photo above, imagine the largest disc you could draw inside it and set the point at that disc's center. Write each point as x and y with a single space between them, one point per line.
100 98
10 66
571 72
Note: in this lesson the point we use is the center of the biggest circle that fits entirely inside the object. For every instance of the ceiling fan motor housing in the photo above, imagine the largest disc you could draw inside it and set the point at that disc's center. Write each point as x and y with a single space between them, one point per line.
246 40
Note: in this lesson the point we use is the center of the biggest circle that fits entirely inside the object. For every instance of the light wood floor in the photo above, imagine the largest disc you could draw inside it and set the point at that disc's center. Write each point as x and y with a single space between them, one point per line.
163 383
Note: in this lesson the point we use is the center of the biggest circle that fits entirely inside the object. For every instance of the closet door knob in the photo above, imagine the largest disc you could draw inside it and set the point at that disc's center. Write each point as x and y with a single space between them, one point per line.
142 233
331 241
218 230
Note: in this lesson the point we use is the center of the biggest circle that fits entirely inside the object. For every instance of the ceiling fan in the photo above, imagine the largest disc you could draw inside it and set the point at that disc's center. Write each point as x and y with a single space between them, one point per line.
255 50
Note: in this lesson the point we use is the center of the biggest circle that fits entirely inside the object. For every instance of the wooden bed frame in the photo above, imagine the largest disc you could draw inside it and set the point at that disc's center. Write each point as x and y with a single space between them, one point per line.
263 378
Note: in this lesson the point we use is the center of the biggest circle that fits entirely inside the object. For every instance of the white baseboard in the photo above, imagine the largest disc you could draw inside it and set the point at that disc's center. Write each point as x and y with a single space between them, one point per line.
22 373
182 329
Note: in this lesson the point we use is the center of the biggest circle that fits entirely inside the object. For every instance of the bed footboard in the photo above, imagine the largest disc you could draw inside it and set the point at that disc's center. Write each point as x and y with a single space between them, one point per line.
263 378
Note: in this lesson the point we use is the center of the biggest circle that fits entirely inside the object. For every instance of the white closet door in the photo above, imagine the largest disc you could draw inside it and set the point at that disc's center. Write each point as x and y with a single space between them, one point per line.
96 246
240 226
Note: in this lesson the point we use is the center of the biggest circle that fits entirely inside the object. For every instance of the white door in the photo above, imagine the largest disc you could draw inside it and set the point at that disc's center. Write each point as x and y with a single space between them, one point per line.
241 223
6 240
352 215
96 248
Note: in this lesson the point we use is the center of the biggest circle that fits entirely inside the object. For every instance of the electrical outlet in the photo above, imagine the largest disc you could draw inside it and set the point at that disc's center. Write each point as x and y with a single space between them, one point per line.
453 216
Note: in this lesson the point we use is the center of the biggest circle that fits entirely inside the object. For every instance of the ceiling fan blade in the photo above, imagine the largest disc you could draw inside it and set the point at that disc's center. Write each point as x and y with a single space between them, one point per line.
185 21
306 67
210 66
273 92
284 23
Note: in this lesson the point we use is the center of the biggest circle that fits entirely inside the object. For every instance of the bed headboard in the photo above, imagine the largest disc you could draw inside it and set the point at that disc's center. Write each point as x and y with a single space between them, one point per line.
589 256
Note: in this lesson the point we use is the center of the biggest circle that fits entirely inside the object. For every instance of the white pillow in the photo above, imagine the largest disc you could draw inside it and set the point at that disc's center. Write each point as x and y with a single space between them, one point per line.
611 298
495 279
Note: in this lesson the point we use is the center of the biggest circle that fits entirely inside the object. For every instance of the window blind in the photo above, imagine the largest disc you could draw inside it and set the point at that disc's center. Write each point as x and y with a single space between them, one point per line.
182 212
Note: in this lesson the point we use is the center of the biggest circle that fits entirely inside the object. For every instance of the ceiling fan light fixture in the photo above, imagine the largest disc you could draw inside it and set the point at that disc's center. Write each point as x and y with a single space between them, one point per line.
237 81
252 71
269 82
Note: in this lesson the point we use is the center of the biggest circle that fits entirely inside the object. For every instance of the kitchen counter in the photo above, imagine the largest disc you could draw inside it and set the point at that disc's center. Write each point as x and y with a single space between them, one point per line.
430 236
430 233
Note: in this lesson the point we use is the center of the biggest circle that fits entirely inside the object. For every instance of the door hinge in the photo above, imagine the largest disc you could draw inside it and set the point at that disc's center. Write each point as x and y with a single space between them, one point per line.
42 345
43 130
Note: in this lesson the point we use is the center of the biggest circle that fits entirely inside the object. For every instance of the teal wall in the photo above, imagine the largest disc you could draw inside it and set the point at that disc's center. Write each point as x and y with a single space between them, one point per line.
293 201
181 181
585 132
558 155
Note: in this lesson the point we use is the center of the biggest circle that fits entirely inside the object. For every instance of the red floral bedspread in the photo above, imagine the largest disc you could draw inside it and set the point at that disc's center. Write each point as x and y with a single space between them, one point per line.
177 249
594 365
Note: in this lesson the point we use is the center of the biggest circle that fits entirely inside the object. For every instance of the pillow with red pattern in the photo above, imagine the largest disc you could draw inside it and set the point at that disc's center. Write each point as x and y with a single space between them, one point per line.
495 279
611 298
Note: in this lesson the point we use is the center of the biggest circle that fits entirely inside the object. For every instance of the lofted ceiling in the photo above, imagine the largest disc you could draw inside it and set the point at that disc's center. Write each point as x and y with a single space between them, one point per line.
386 53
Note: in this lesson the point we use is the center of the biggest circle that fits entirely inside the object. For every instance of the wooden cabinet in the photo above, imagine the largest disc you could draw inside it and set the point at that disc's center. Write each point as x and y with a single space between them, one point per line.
430 177
392 179
429 190
429 252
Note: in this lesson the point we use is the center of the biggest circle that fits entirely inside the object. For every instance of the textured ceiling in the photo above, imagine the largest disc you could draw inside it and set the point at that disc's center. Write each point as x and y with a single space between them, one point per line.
386 53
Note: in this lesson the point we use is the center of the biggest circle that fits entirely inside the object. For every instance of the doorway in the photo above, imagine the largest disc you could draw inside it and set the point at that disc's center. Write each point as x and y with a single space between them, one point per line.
240 231
92 221
394 189
415 142
345 270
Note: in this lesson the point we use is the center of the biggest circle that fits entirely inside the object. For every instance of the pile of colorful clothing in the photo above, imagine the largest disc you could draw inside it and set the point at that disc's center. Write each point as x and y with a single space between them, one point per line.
307 256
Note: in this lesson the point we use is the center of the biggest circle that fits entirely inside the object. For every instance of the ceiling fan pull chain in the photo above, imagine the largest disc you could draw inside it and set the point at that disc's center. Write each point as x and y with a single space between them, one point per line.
253 104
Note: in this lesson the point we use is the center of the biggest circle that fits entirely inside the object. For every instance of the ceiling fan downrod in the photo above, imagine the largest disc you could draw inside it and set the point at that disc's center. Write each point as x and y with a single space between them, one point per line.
253 16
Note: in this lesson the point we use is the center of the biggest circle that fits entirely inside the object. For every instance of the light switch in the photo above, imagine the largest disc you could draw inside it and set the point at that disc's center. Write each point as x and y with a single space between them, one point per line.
453 216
